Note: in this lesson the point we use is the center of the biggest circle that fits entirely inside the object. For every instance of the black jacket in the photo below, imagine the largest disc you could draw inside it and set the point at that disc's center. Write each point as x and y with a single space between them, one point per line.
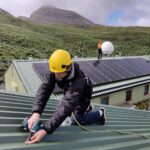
77 96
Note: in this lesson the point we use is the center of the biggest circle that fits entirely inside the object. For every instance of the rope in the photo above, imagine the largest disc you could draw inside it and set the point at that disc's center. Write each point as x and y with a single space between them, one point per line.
132 133
118 131
81 126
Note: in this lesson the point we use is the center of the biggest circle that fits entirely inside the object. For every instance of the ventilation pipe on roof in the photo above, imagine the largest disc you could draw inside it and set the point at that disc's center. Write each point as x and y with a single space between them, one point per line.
30 58
147 59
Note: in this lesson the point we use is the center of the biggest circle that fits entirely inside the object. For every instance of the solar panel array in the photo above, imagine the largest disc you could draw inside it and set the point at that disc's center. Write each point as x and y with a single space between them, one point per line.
107 70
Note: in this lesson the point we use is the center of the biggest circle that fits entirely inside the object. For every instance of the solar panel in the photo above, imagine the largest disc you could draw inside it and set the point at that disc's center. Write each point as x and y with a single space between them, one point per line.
132 69
92 72
106 70
116 69
42 70
138 66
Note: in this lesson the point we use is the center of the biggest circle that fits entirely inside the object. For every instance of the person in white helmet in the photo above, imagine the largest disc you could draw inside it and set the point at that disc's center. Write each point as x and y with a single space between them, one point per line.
99 49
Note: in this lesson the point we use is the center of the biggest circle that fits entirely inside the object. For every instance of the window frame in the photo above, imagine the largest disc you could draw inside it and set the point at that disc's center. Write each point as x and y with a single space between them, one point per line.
146 89
128 95
105 98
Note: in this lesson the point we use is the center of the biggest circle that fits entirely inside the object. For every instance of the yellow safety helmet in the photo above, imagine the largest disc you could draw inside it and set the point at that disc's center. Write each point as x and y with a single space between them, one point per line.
59 61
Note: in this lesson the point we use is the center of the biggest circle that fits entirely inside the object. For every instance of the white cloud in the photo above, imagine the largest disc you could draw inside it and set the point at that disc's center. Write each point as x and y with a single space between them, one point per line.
143 22
20 7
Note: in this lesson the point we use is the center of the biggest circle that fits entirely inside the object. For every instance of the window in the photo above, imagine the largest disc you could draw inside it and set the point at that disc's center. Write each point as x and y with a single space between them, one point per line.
105 100
128 95
146 89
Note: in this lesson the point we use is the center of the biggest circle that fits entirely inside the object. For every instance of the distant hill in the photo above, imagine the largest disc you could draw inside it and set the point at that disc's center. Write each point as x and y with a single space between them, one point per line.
4 12
24 18
51 14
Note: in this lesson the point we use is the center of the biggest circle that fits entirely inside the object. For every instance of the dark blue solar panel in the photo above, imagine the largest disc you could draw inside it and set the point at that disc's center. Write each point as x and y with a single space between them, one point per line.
92 72
42 70
141 65
132 68
115 69
106 67
106 70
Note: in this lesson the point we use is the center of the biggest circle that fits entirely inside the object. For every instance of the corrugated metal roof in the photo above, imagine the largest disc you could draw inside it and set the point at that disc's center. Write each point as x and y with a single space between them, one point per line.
125 129
28 75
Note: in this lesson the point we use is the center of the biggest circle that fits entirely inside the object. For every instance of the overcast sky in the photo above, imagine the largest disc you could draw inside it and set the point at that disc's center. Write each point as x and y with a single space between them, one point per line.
105 12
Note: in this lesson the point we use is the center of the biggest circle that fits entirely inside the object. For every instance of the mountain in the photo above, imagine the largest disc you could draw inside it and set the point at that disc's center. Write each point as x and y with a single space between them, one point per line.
4 12
53 15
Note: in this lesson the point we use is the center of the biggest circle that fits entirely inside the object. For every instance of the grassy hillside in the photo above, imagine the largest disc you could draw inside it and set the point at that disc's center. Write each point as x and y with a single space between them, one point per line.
20 39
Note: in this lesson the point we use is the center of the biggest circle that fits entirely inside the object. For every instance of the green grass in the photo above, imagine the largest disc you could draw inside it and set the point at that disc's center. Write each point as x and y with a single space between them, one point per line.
21 39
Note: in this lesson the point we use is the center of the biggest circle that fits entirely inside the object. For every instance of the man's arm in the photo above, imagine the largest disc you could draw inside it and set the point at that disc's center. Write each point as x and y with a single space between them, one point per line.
68 104
65 109
43 94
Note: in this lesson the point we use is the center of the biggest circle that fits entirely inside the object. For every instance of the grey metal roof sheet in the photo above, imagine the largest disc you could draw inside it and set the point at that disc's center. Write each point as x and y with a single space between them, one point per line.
27 74
125 129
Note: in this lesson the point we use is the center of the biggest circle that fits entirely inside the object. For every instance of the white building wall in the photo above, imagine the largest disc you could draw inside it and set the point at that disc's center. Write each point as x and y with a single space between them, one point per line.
12 81
119 97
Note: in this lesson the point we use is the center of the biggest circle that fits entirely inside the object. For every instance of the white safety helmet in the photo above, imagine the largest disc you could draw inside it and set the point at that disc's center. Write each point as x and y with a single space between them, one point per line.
107 48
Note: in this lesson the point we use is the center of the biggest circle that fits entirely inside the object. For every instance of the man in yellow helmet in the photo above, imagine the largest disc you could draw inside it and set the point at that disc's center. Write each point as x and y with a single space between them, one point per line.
77 89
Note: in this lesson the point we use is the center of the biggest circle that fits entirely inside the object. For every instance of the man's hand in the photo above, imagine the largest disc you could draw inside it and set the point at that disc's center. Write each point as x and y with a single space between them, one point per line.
37 137
34 118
